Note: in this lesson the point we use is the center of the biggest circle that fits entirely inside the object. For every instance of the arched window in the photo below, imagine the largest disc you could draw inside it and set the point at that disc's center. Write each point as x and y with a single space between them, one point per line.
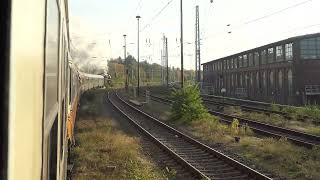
257 80
290 87
264 80
271 79
280 79
232 82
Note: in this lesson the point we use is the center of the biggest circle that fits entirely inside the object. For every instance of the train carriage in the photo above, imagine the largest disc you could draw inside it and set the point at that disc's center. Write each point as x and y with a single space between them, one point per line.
40 90
283 72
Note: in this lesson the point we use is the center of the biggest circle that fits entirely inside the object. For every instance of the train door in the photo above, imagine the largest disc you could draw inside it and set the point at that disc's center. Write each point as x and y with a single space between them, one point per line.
5 21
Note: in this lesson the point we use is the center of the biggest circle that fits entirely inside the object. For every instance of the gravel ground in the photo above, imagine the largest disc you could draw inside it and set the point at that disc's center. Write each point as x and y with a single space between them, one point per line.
217 146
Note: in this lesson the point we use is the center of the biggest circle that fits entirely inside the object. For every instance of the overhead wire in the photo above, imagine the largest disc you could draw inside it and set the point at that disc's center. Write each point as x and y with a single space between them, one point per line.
156 15
260 18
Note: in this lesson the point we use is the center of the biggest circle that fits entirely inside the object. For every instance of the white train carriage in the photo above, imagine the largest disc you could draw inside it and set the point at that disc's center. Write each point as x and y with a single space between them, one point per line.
90 81
40 89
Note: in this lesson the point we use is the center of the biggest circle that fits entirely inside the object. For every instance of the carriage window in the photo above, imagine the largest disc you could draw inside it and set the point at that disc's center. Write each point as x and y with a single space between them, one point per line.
289 53
52 56
279 53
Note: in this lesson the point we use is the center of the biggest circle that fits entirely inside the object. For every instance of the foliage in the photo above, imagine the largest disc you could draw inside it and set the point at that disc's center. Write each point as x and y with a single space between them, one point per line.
275 107
282 157
187 104
234 128
103 153
309 111
102 149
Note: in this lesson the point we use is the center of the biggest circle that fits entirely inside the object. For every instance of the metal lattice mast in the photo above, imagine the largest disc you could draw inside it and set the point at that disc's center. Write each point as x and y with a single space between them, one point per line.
197 48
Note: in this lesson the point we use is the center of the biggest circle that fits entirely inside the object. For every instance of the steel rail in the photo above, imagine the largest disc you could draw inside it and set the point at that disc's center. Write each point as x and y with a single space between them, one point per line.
231 162
297 137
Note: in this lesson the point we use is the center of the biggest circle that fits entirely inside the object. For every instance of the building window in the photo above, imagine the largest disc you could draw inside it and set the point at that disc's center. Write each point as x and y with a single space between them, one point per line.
256 58
279 53
232 63
289 52
240 79
280 79
250 59
240 62
257 80
251 79
227 64
232 83
245 60
290 79
246 79
235 62
263 57
310 48
271 79
264 80
270 55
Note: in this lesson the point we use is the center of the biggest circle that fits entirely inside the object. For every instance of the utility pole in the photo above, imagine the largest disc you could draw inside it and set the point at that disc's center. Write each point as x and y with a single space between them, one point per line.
161 67
181 42
197 49
138 18
126 63
167 62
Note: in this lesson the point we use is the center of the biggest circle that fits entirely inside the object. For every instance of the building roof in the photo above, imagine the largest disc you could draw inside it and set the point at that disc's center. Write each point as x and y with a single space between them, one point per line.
267 46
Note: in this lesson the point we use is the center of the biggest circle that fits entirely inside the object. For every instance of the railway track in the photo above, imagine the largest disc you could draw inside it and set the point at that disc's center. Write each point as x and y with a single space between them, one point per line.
298 138
203 161
248 108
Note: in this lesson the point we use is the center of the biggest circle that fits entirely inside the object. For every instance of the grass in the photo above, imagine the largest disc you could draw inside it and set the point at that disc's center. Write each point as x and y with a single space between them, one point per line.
105 152
274 119
277 156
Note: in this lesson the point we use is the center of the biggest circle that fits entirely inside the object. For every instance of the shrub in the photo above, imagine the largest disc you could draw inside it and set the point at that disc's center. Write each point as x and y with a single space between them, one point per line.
275 107
234 129
187 104
310 111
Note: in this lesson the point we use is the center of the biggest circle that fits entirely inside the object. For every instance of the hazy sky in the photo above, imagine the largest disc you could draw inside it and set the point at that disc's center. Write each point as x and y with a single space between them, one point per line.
97 26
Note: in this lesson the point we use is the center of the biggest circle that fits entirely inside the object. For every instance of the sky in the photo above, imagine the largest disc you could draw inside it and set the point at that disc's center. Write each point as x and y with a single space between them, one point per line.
97 27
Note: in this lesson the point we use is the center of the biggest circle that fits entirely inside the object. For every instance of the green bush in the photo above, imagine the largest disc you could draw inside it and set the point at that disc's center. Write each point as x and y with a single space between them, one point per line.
309 111
234 128
187 104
